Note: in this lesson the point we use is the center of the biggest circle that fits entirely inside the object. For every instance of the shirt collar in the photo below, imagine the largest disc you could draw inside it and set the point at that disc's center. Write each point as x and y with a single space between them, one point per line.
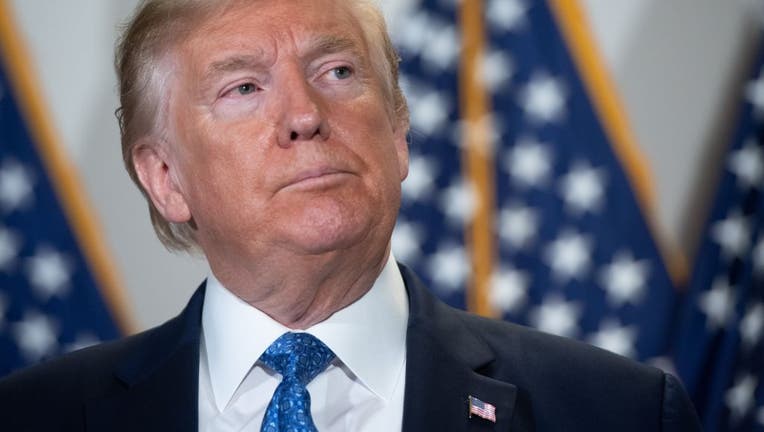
368 336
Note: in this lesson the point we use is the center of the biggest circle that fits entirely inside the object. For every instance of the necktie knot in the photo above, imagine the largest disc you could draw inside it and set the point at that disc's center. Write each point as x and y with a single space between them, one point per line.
298 357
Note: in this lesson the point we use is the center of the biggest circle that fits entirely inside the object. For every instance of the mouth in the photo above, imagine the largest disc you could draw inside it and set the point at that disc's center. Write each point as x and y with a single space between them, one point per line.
316 178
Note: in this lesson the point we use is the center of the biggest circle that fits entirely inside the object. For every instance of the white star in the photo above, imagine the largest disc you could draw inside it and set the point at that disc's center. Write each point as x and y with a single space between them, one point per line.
543 98
509 289
411 31
449 268
15 186
556 316
754 93
752 326
36 335
616 338
518 225
10 244
569 255
625 279
496 69
740 397
83 340
529 162
429 112
718 304
760 416
506 15
732 234
443 46
49 272
484 133
748 164
407 238
459 202
420 181
583 188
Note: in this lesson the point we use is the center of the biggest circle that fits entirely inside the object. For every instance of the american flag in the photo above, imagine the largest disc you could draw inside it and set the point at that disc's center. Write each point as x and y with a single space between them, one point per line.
720 349
49 300
574 254
482 409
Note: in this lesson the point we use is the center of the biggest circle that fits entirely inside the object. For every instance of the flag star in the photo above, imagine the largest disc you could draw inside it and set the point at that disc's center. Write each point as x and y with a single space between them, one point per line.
49 272
506 15
483 134
420 181
529 162
16 183
10 244
443 46
569 255
36 335
496 69
583 188
543 98
509 289
760 416
718 304
449 268
752 326
748 164
459 202
740 397
83 340
556 316
411 35
625 279
407 238
732 234
754 93
429 112
518 225
616 338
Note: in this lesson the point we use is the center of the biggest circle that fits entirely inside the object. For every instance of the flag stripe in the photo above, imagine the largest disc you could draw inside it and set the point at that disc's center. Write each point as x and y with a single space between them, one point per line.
64 179
476 161
604 97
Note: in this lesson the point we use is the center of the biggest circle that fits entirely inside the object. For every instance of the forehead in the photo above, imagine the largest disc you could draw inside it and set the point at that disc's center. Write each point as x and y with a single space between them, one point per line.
265 28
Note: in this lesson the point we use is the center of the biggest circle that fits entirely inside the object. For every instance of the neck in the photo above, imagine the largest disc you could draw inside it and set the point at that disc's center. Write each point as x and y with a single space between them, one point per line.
309 288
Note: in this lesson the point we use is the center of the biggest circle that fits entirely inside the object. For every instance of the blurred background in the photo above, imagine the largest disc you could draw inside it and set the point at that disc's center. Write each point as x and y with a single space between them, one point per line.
679 69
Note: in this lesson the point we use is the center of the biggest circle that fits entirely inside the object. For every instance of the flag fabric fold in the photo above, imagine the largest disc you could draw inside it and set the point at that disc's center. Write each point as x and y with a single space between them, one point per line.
720 343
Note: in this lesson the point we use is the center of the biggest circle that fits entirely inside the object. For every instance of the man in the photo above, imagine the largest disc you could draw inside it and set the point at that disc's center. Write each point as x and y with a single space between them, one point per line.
271 135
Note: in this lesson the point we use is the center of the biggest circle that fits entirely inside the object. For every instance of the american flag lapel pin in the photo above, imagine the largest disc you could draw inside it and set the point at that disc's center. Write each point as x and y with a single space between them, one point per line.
482 409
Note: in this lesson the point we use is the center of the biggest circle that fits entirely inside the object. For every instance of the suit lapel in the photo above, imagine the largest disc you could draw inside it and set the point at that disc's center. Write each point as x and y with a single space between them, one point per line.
443 362
158 384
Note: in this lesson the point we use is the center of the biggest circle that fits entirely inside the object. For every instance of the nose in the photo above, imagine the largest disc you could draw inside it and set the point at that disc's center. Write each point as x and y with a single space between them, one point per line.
303 115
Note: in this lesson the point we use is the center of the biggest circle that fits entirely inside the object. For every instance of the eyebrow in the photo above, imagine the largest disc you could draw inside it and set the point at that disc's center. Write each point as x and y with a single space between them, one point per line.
331 44
231 64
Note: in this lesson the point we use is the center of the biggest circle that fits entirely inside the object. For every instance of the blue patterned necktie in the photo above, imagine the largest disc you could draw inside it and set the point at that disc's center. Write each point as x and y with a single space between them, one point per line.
298 357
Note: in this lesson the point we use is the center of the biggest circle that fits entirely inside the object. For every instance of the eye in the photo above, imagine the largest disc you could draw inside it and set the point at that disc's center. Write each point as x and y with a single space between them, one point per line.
342 72
246 88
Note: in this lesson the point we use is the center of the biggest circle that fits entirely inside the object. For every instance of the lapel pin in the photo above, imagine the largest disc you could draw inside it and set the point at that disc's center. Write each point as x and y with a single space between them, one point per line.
482 409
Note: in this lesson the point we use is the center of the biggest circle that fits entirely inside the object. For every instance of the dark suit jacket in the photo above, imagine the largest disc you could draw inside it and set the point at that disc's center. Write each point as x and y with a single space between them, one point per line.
148 382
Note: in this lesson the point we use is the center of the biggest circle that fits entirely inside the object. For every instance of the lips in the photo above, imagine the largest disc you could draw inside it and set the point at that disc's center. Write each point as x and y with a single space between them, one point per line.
315 177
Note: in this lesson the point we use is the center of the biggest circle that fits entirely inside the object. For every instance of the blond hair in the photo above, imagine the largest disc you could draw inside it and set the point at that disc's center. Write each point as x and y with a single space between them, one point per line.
143 72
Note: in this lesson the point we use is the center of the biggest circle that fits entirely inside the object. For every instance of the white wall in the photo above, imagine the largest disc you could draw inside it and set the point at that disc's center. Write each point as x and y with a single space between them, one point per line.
676 63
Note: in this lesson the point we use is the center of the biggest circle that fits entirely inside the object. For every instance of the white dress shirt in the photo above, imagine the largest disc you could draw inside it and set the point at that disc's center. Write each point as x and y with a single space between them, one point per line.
361 390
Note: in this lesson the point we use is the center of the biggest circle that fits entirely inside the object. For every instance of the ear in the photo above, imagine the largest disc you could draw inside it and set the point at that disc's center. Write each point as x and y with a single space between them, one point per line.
153 167
400 135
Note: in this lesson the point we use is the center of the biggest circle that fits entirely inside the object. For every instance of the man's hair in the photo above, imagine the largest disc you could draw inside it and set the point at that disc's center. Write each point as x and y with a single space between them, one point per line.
143 62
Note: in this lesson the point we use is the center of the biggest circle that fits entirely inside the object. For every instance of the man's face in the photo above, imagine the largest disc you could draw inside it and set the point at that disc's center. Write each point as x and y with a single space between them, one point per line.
279 133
